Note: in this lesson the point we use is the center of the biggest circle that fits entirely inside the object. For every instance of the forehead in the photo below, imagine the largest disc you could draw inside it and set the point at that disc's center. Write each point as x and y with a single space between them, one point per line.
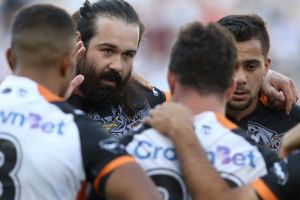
116 32
250 49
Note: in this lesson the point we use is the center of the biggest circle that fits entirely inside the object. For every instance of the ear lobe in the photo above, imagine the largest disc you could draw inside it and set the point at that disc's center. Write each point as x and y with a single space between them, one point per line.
171 81
268 62
11 59
66 64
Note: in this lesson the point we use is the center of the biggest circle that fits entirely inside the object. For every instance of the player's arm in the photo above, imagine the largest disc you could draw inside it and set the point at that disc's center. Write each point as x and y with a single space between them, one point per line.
112 172
130 182
281 88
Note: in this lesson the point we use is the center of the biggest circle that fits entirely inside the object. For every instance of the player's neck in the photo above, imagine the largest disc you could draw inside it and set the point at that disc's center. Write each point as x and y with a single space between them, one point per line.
41 77
200 103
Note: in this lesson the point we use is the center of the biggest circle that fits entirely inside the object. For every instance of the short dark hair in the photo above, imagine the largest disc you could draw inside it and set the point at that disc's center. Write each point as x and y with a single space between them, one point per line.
86 17
41 34
204 58
247 27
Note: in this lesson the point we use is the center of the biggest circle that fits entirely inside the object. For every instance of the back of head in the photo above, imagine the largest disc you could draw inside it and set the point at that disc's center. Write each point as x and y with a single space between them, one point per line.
42 34
204 58
247 27
87 16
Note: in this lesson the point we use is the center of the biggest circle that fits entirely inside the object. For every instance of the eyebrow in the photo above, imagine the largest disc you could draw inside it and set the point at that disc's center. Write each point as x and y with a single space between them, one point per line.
115 47
250 61
107 45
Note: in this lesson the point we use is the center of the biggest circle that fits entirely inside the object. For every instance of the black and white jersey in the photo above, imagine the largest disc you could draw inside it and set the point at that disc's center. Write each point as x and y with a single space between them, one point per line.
237 160
47 148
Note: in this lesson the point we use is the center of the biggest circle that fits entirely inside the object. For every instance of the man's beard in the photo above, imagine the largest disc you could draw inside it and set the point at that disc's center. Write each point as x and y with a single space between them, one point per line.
98 93
239 107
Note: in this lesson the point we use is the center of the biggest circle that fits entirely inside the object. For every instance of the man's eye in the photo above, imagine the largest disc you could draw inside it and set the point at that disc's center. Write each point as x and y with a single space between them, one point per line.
129 55
251 67
107 51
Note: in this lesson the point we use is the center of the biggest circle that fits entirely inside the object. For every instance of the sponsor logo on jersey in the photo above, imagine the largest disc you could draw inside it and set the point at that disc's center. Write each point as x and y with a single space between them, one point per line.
146 150
225 156
6 91
220 155
31 121
281 173
111 144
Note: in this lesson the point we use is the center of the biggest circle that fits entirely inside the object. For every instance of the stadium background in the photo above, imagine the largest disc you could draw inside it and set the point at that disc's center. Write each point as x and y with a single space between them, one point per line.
162 19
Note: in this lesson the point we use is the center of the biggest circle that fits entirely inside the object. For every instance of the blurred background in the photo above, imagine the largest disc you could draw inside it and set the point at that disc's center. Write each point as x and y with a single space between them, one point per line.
163 18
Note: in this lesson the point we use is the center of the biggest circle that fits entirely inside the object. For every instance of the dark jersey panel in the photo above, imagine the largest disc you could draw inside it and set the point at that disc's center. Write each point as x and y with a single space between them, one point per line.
269 155
155 97
268 125
98 148
284 178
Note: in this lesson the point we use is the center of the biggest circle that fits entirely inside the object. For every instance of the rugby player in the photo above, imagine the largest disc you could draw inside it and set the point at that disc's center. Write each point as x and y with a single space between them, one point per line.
47 148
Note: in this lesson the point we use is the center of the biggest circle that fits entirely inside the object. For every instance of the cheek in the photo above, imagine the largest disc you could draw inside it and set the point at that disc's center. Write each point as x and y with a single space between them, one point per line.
255 81
127 68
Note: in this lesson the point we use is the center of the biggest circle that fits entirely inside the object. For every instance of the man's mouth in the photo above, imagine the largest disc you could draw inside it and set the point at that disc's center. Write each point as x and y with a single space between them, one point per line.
107 82
240 95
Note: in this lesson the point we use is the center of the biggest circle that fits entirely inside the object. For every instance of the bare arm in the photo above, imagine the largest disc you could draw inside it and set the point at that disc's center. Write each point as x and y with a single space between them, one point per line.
130 182
281 88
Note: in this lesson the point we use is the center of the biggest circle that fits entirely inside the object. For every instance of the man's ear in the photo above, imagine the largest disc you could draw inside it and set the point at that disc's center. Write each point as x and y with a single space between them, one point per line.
171 81
67 63
229 92
11 59
268 62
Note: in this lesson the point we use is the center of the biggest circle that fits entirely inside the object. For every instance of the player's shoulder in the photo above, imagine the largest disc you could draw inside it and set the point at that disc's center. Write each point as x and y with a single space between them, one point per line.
84 124
214 120
155 96
142 133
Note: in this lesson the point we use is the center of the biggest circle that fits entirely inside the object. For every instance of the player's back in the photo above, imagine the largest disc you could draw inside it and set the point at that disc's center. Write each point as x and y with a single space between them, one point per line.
40 153
235 159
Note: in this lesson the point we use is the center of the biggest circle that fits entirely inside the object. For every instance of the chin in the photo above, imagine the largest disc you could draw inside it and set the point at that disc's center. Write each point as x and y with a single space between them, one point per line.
238 105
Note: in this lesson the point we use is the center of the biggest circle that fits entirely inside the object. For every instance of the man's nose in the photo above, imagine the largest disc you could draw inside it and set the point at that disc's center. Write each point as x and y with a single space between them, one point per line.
116 64
240 76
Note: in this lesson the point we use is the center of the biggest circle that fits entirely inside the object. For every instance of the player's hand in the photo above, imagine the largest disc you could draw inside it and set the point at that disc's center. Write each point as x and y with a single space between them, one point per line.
281 88
290 141
73 85
144 83
171 119
80 49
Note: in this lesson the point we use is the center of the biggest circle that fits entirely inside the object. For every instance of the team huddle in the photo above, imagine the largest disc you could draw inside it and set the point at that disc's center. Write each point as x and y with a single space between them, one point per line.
76 123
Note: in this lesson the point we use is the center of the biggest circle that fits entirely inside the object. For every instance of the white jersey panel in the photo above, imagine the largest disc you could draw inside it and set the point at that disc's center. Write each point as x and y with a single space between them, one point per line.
233 157
42 139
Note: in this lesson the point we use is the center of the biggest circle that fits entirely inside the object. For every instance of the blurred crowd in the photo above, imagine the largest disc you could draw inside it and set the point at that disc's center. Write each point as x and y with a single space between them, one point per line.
162 19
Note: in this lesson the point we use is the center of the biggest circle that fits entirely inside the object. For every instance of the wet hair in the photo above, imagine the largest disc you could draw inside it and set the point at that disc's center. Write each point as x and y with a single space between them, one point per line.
87 15
247 27
204 58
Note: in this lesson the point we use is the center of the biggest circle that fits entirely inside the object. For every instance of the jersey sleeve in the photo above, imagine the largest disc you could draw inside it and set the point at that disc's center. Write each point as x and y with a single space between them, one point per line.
282 181
101 153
